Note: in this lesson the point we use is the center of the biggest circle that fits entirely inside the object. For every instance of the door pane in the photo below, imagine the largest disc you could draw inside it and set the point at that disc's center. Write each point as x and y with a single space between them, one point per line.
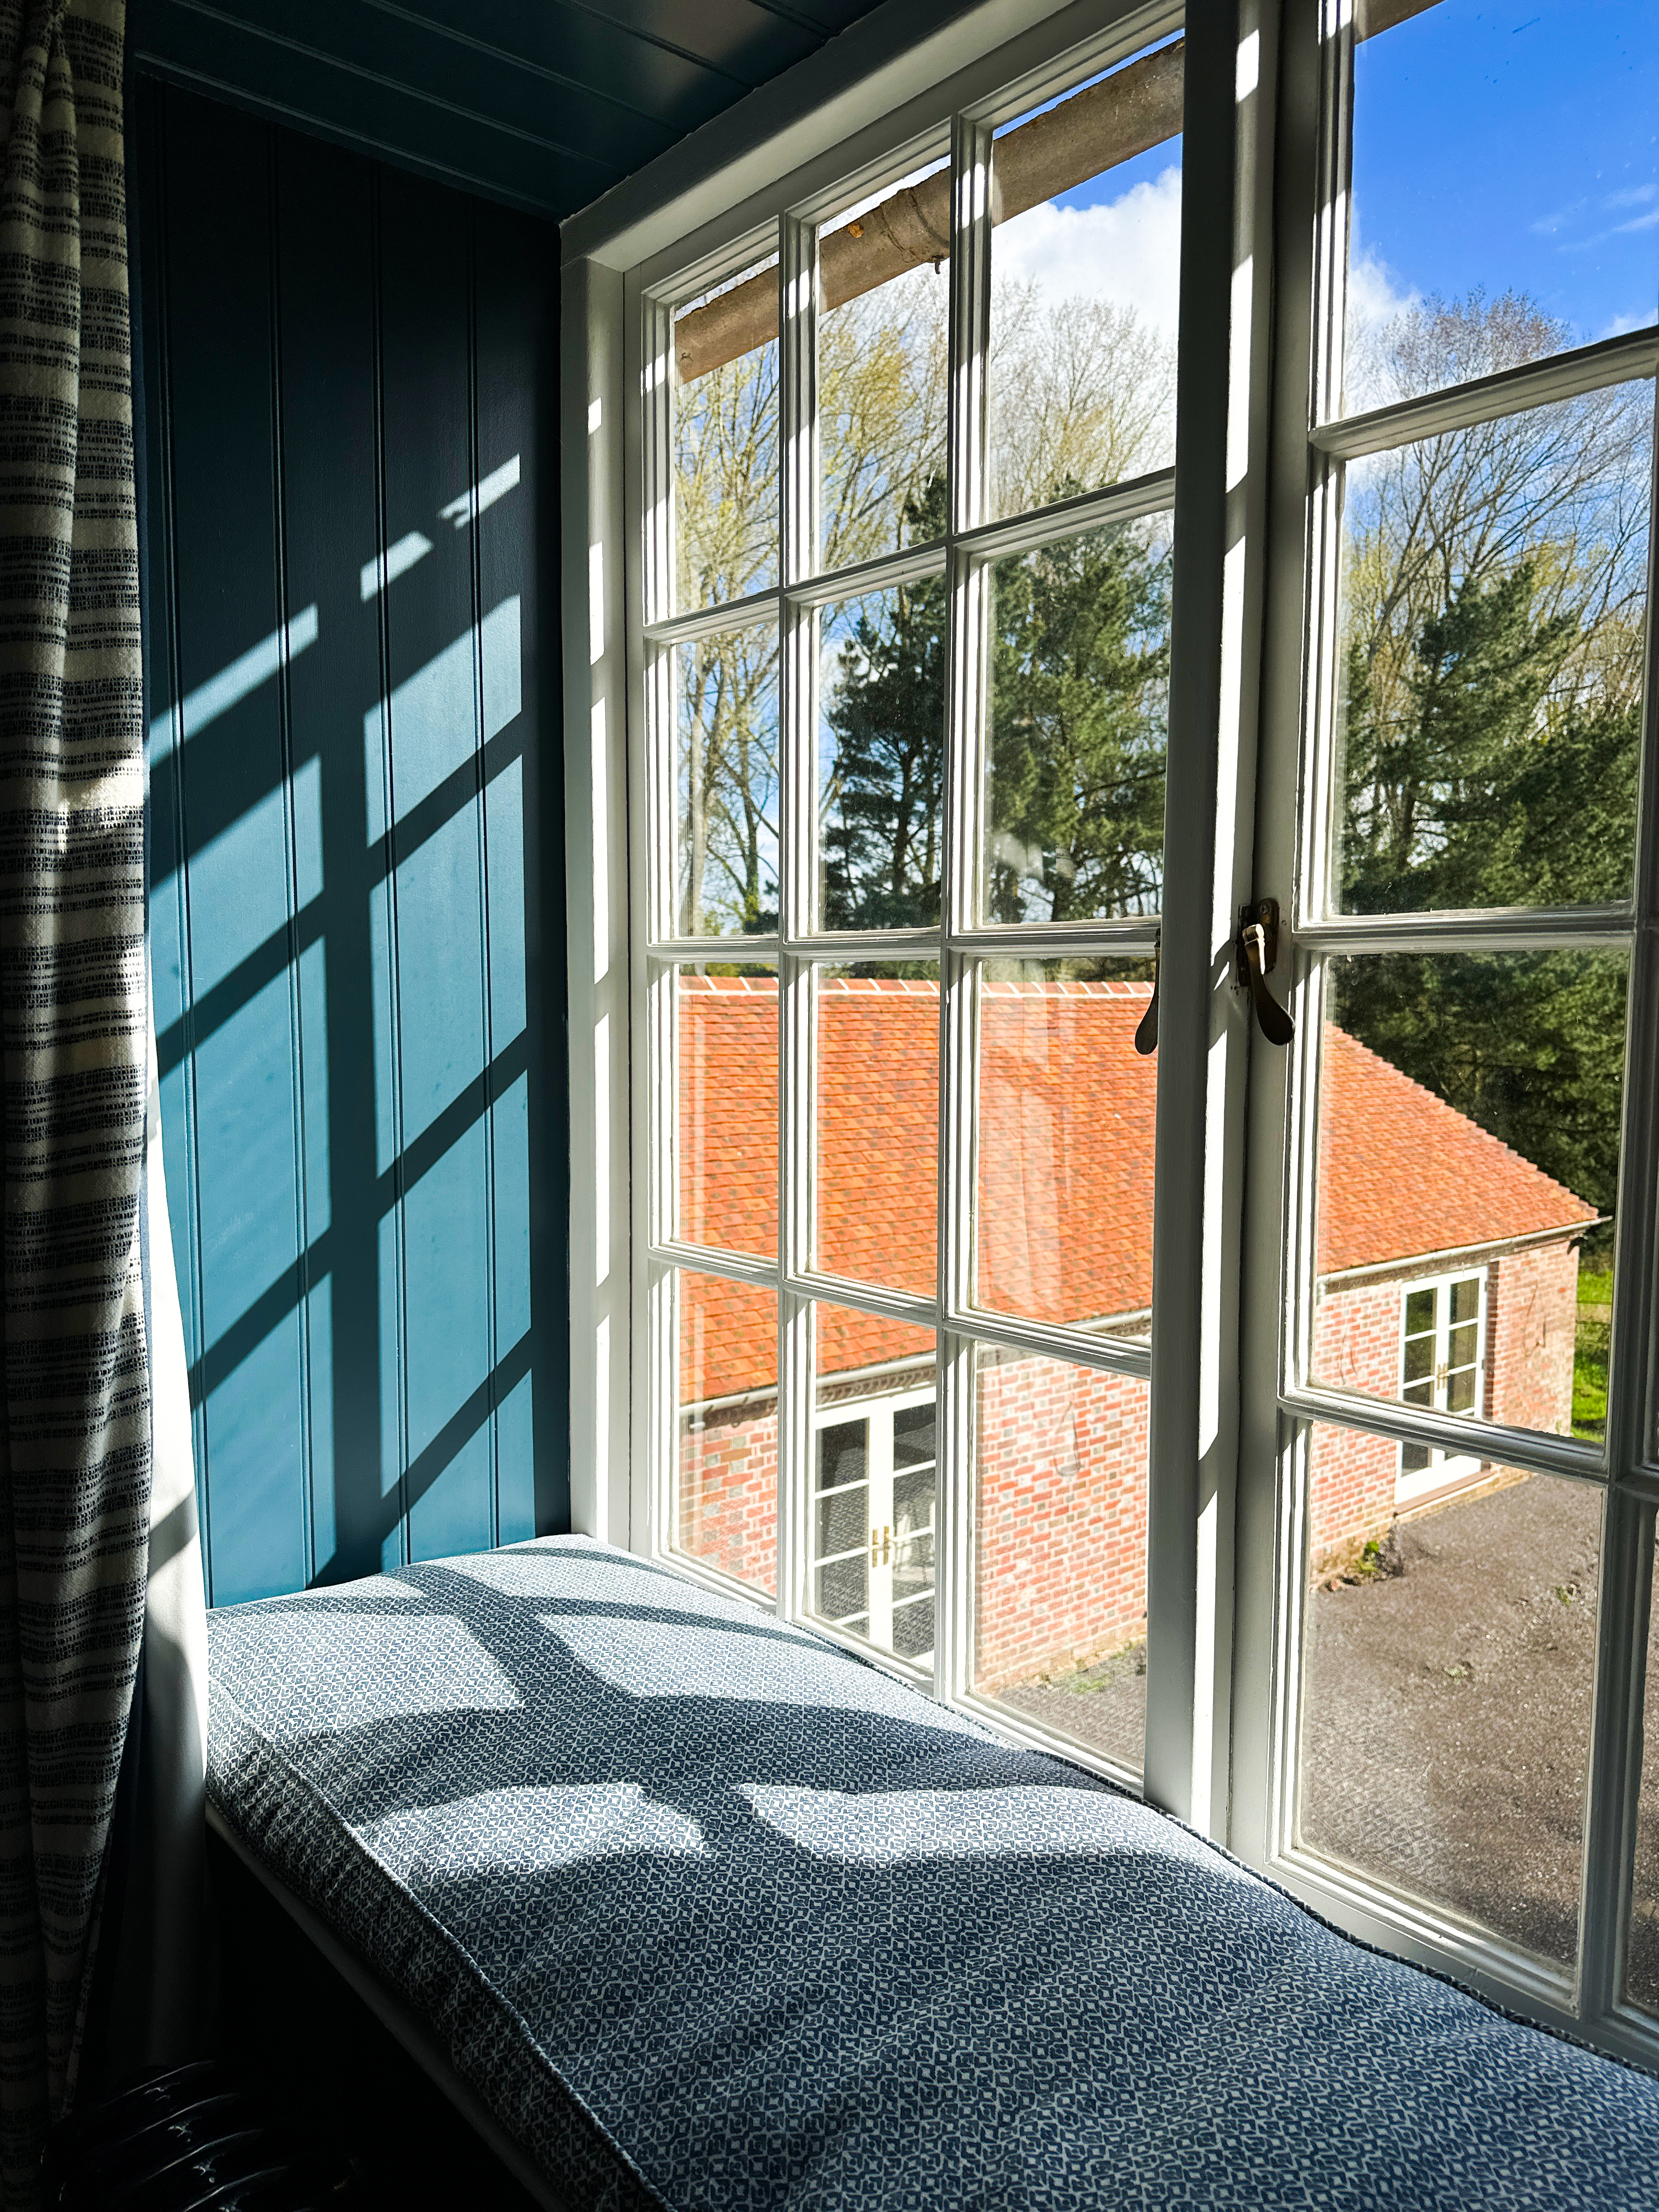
884 282
874 1478
1493 589
728 1100
725 1487
726 760
726 441
1059 1548
1468 1104
1504 177
877 1123
1448 1661
1063 1156
881 758
1078 713
1084 261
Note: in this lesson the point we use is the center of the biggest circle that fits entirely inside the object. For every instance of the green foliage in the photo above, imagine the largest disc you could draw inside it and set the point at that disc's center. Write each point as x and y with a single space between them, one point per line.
883 837
1079 674
1502 780
1079 730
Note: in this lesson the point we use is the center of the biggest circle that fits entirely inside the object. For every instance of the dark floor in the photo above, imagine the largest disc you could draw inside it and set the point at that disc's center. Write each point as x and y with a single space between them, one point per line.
291 2027
1103 1706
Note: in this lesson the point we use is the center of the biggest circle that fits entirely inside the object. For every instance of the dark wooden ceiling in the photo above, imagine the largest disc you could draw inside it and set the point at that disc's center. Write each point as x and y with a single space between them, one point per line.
543 102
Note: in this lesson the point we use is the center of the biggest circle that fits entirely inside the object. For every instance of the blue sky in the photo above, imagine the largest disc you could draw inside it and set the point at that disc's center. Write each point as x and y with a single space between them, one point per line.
1512 144
1516 144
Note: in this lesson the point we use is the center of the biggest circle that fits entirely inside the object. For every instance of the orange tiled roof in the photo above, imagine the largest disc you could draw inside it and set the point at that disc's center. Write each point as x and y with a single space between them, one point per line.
1065 1146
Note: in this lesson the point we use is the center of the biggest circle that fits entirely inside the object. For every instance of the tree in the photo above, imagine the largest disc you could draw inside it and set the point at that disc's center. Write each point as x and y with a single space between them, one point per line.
883 797
1079 729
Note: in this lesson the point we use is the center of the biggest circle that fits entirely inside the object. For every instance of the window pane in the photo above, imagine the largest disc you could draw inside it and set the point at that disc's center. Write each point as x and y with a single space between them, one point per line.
726 706
1504 186
877 1123
726 1490
1642 1965
874 1478
1059 1548
726 441
1469 1104
1063 1157
1493 592
1448 1661
1079 713
881 758
1085 262
728 1049
884 270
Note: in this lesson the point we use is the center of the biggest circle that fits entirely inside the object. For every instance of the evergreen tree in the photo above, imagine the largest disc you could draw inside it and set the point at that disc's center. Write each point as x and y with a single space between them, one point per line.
1494 789
1079 729
885 796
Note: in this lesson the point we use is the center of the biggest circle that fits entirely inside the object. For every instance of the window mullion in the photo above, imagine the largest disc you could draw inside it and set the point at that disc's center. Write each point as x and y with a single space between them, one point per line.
969 334
1203 1039
797 443
1628 1534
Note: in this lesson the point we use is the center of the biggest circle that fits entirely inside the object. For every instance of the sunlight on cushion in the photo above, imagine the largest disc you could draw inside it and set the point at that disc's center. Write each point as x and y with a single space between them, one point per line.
538 1571
301 1672
641 1657
887 1827
528 1831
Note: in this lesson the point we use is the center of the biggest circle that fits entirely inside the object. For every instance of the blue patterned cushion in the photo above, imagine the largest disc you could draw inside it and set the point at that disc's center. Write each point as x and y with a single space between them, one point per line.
711 1915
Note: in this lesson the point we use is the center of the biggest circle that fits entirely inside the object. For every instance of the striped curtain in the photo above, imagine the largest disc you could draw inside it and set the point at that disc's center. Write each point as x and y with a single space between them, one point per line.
75 1439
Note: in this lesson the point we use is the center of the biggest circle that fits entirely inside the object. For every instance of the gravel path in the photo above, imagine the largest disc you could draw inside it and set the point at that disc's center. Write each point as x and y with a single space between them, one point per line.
1446 1717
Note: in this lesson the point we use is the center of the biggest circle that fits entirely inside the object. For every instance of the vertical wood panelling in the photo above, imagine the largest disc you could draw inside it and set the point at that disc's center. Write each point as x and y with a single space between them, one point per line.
347 373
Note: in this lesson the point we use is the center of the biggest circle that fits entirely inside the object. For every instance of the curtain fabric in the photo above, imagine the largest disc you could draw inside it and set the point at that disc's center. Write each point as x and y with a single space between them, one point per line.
76 1436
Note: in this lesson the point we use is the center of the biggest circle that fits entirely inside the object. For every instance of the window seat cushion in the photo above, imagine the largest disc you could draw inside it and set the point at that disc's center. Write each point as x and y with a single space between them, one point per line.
710 1914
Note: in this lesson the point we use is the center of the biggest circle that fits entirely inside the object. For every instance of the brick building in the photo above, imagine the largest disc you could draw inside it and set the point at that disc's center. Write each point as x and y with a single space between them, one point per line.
1447 1275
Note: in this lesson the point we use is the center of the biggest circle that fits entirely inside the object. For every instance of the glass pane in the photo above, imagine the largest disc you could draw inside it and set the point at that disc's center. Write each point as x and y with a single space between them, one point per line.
1448 1661
1504 187
1085 262
1493 591
1420 1314
728 1049
1469 1102
1063 1173
726 441
1641 1964
1059 1548
726 764
726 1486
881 758
877 1123
885 273
1078 713
874 1481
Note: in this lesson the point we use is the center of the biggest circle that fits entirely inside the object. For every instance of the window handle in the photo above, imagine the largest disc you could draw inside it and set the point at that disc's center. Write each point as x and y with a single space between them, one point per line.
1146 1034
1256 950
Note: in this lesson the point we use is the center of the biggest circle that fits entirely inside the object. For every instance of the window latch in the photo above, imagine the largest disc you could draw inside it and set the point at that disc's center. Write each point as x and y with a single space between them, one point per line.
1256 950
1147 1033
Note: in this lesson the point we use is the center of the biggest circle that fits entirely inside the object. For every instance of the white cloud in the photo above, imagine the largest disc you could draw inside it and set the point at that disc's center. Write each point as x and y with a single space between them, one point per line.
1373 295
1126 251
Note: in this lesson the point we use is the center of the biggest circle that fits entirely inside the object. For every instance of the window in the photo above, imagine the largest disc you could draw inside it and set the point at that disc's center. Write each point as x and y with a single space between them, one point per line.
1443 1365
1135 482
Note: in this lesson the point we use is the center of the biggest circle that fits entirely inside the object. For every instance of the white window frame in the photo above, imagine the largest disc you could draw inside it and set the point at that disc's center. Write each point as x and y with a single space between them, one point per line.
876 1408
1227 1362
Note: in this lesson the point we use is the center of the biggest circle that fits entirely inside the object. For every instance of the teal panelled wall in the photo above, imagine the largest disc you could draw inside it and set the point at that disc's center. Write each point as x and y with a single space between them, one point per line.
355 847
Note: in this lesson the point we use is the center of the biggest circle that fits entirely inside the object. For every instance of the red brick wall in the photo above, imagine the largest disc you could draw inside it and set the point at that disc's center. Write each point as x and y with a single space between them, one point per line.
1060 1542
1532 1315
1061 1521
727 1506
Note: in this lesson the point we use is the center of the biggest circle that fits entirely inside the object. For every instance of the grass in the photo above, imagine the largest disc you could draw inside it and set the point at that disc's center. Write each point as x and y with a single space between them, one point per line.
1589 1356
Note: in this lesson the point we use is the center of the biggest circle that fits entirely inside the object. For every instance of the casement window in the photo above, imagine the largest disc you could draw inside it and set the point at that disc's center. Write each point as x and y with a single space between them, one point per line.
1113 853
